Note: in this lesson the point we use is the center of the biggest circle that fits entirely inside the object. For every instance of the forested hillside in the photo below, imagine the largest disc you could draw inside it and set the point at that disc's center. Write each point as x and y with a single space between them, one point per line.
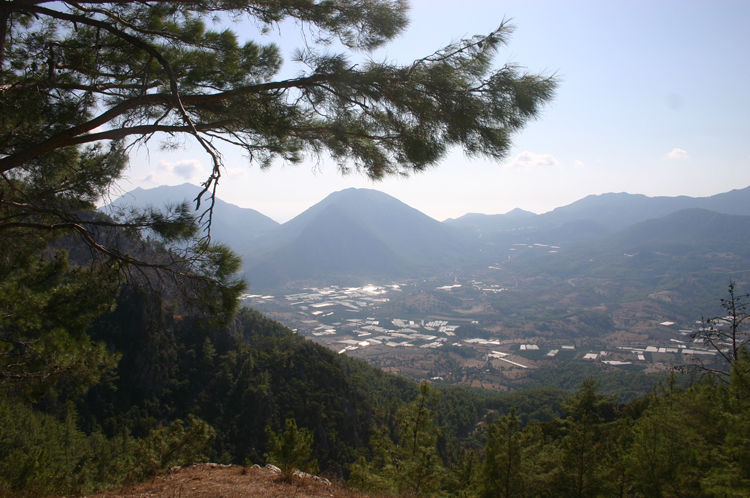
240 379
186 389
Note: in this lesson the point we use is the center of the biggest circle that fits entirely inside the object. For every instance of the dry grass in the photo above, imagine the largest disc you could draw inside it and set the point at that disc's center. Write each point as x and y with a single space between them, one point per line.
218 481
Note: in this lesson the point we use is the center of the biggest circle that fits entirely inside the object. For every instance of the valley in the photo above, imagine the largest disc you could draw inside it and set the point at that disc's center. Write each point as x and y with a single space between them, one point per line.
485 333
617 282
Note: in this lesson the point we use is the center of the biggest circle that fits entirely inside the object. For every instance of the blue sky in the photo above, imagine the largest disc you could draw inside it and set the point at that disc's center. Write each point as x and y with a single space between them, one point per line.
653 100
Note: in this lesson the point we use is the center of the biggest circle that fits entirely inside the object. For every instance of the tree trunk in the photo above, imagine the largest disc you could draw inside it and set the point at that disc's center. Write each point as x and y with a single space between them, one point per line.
4 18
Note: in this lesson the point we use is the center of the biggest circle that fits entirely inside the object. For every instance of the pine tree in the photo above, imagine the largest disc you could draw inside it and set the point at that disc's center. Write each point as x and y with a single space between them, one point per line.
82 82
727 335
411 465
291 450
514 461
419 466
694 442
46 308
730 476
583 470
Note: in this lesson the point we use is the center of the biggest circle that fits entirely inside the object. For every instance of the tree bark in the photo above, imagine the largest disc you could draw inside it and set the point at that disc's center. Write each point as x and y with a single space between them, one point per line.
4 18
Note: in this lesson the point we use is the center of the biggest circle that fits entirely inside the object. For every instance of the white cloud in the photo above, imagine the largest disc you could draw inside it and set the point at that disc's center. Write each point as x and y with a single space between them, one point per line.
579 164
237 173
190 170
528 159
678 154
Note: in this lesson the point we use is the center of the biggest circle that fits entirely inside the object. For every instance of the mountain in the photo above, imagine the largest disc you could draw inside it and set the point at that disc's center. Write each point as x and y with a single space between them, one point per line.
613 211
239 228
507 221
355 235
359 236
688 242
686 232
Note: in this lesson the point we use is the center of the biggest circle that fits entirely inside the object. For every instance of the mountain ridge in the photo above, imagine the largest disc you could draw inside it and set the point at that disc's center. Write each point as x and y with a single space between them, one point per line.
358 236
362 233
616 210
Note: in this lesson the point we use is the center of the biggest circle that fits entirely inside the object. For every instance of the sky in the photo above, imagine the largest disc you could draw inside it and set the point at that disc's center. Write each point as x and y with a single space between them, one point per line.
653 100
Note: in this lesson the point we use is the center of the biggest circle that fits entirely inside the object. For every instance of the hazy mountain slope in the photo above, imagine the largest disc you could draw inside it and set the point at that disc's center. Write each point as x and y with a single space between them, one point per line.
235 226
358 236
685 242
572 232
507 221
331 248
359 233
401 227
733 202
690 231
615 211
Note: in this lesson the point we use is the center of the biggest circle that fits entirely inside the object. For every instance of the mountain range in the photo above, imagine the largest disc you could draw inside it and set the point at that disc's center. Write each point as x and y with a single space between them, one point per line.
614 211
356 236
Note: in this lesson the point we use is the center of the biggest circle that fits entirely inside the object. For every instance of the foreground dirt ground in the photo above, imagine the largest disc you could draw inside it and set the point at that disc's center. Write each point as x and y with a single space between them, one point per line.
218 481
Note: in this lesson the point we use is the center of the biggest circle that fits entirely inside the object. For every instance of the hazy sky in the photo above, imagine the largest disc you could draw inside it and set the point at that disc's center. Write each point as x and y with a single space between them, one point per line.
654 100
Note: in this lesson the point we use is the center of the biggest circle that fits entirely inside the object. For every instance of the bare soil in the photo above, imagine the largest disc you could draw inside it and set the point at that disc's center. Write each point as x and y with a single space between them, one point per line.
233 481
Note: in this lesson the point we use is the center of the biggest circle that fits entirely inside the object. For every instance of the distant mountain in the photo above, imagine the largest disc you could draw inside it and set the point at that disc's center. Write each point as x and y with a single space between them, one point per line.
613 211
733 202
357 236
354 236
619 211
686 232
688 242
496 222
240 228
573 232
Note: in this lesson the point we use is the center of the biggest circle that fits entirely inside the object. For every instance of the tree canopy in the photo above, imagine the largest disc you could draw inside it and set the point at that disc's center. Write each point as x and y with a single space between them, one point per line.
75 76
